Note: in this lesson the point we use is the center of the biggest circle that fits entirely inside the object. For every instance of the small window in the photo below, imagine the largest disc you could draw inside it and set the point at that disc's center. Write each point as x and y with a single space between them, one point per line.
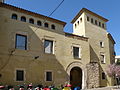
78 22
88 18
95 22
14 16
31 21
46 25
48 46
101 44
75 25
23 19
49 76
76 52
91 20
102 57
21 42
52 26
103 76
19 75
100 24
80 19
103 26
39 23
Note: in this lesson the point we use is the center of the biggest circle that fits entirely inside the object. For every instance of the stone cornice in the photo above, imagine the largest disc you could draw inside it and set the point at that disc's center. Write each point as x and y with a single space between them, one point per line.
31 13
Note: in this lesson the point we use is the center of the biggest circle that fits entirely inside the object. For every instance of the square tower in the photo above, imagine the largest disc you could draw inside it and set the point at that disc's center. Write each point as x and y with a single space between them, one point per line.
89 24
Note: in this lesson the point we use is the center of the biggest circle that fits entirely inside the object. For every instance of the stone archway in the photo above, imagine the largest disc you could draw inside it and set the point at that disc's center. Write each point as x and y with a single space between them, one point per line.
76 77
82 71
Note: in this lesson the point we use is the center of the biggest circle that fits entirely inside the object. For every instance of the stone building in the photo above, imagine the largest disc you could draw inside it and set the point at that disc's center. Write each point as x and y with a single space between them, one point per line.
117 59
35 49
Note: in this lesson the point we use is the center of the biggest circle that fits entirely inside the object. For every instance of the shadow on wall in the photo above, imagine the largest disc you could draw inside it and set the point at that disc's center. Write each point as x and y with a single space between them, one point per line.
95 67
33 61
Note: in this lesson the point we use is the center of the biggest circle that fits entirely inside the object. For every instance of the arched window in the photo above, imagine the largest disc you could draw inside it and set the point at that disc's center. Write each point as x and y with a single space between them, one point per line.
75 25
14 16
31 21
39 23
46 25
23 19
52 26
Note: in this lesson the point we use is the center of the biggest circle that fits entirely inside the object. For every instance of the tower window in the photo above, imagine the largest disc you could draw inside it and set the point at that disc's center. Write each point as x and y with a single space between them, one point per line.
39 23
88 18
75 25
52 26
14 16
101 44
102 57
95 22
80 19
103 76
19 75
23 19
46 25
91 20
78 22
31 21
21 42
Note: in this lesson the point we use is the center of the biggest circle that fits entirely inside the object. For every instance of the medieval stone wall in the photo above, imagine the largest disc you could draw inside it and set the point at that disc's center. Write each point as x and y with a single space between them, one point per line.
93 75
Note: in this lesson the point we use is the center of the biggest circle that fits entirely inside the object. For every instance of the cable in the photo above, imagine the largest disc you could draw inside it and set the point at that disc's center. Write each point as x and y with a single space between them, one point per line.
56 8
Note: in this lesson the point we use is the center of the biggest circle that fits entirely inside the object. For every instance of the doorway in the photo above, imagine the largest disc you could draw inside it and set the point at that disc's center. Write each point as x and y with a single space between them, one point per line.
76 77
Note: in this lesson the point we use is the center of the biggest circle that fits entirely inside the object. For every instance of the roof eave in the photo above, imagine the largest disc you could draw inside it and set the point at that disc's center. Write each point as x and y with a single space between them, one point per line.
88 11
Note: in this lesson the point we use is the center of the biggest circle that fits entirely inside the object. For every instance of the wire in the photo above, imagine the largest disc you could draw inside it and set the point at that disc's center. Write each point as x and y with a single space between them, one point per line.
56 8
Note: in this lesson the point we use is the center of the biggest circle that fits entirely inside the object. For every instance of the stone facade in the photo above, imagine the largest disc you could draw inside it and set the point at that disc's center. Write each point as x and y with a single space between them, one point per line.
93 78
35 64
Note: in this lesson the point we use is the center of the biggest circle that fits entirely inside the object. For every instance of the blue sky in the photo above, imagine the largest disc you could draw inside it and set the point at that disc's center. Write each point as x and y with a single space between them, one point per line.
109 9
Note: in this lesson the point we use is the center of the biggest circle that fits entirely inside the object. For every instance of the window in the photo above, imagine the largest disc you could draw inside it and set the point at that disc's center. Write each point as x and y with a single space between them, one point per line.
21 42
14 16
23 19
91 20
48 46
46 25
78 22
100 24
102 57
75 25
52 26
95 22
101 44
39 23
31 21
76 52
103 26
88 18
103 76
19 75
49 76
80 19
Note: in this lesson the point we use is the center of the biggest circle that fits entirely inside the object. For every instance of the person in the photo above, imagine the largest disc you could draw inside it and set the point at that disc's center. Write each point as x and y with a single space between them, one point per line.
77 88
67 87
46 88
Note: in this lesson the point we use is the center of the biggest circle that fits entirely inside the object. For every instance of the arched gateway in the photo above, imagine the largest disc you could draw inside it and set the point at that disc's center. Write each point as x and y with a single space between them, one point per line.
76 77
77 74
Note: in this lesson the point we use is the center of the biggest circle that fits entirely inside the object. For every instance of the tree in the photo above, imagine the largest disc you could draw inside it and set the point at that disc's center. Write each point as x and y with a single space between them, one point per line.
114 70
